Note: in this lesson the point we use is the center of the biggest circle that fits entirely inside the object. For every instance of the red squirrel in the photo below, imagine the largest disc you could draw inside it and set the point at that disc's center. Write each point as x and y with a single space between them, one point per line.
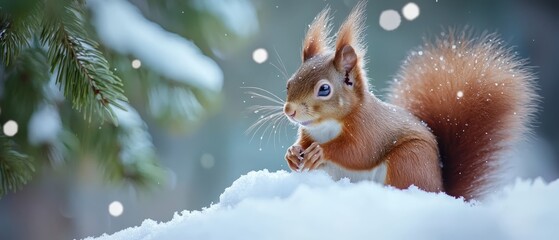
453 107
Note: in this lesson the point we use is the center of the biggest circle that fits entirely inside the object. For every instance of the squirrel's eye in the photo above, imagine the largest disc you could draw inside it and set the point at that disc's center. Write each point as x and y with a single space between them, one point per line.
324 90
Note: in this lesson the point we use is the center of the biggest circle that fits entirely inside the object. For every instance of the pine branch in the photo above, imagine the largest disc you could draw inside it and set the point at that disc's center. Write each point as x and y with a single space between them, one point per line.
14 35
129 153
81 70
16 169
177 106
118 164
24 82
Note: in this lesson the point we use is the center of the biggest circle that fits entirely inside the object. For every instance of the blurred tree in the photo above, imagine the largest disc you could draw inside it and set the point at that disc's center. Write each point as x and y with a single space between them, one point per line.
50 54
40 39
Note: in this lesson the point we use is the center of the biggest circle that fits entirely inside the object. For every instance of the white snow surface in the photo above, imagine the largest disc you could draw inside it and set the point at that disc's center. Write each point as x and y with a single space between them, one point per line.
122 27
309 205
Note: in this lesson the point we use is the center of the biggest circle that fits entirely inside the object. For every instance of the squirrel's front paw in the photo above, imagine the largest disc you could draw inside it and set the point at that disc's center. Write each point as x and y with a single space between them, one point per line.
312 157
293 157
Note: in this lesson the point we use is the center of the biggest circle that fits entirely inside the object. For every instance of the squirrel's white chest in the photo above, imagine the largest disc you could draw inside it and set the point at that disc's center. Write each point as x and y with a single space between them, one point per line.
324 131
377 174
330 129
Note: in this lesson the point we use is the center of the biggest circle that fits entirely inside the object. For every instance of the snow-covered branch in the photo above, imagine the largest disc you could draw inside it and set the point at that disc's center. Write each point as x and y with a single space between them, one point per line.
123 28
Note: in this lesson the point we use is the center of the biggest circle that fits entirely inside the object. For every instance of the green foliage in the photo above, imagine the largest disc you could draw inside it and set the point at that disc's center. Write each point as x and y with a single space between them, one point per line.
124 152
25 79
81 70
14 35
177 106
23 82
42 40
199 25
16 169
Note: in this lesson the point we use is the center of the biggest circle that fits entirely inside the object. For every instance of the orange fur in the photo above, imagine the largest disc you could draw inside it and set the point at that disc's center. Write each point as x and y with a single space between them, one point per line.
317 39
429 122
414 162
352 31
476 96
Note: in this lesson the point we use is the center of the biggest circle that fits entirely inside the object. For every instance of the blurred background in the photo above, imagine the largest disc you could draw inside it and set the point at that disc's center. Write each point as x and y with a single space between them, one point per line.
182 140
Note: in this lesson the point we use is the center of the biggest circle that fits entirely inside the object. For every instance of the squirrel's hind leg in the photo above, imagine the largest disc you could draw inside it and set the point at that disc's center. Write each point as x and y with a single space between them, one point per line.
414 162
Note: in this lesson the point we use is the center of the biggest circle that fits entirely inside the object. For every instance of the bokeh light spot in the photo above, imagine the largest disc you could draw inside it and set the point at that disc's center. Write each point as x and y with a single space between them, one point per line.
260 55
10 128
207 161
116 209
136 63
390 20
410 11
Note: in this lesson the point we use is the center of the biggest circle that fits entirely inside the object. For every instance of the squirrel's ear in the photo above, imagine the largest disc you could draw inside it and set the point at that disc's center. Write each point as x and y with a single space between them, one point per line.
350 49
317 40
345 59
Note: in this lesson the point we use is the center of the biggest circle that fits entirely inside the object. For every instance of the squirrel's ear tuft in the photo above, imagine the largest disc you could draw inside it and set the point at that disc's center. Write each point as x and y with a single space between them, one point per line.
317 40
351 34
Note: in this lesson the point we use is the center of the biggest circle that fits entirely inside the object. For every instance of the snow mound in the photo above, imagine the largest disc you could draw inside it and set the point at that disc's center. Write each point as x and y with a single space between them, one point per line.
282 205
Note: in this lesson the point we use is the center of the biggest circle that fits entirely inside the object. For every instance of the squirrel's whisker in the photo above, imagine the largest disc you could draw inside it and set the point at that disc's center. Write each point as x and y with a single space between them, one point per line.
266 91
275 124
280 70
258 125
260 121
269 123
254 94
258 108
284 123
281 63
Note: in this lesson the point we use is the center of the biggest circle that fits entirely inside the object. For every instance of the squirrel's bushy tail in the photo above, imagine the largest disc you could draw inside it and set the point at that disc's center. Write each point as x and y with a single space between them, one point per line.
476 96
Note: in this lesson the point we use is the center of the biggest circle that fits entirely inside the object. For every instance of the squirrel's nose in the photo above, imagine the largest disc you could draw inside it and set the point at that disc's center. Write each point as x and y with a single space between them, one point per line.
289 111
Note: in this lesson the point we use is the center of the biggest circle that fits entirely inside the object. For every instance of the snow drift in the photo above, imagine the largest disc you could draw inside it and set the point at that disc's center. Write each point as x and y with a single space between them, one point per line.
282 205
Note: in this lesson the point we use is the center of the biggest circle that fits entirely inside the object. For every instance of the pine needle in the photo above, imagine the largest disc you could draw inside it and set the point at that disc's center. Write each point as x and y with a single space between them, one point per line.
16 169
81 70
